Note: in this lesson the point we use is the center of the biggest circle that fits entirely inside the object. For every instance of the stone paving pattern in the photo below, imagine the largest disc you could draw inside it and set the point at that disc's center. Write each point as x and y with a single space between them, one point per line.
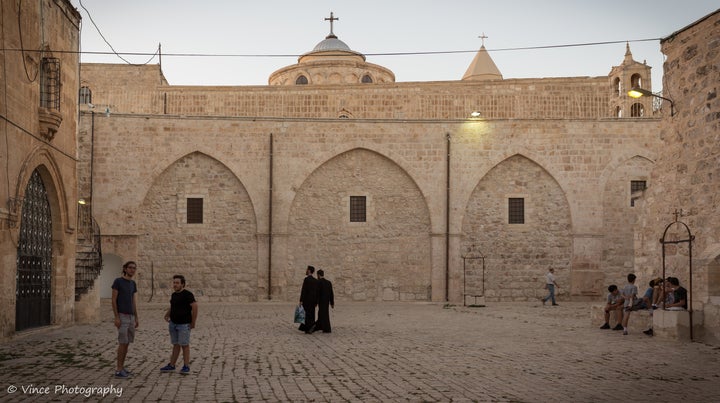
520 352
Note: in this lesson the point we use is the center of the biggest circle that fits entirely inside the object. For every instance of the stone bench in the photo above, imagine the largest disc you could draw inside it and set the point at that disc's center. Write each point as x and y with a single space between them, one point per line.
639 320
676 324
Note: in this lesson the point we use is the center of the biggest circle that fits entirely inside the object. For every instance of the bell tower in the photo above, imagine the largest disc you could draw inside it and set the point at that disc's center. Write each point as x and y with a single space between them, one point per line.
623 78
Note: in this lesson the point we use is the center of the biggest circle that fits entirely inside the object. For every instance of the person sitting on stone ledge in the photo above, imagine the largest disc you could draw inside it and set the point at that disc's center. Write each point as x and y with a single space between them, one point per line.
658 292
675 297
614 303
646 302
679 295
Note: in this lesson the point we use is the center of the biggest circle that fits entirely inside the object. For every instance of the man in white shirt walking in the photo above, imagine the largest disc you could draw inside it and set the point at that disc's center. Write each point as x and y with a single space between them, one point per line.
550 284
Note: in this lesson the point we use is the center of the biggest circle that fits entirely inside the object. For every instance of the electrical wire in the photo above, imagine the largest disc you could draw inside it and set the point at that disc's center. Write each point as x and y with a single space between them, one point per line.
22 46
418 53
111 47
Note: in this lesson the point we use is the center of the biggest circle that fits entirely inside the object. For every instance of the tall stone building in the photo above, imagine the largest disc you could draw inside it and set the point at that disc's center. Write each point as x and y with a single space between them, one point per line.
391 187
683 199
38 186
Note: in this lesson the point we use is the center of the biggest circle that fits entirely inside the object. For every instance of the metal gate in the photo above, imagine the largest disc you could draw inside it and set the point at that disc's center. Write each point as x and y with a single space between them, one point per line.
34 258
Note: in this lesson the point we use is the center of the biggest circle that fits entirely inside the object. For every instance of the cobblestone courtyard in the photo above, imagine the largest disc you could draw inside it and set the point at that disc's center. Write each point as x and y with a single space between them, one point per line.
377 352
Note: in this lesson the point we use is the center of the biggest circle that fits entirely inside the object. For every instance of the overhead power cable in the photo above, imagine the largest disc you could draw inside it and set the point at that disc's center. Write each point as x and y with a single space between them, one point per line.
118 54
270 55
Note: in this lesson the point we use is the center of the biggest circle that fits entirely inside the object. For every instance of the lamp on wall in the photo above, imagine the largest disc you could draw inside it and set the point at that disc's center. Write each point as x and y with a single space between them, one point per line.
475 114
637 92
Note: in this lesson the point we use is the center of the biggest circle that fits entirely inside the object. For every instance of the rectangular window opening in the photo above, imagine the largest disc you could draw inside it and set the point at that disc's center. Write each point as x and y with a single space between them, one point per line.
194 210
516 210
358 209
636 186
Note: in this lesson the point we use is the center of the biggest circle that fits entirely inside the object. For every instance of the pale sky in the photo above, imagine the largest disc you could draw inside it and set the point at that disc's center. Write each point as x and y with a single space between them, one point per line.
292 27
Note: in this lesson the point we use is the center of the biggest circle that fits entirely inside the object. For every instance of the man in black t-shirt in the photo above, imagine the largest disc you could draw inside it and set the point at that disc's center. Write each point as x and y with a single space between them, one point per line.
679 294
181 317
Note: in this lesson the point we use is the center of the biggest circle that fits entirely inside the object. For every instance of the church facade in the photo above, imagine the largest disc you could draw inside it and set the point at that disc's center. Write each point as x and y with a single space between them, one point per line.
400 191
392 188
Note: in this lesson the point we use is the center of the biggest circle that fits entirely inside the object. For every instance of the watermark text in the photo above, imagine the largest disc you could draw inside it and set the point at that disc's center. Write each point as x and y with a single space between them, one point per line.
68 390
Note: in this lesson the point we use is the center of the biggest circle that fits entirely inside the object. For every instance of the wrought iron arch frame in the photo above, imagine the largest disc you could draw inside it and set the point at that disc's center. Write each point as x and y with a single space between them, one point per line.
689 240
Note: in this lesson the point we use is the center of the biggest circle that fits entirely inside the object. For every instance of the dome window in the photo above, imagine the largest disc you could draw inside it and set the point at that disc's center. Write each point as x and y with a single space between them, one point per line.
301 80
366 79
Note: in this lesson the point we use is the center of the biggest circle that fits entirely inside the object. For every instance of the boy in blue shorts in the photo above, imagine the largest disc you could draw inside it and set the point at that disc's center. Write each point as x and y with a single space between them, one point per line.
181 317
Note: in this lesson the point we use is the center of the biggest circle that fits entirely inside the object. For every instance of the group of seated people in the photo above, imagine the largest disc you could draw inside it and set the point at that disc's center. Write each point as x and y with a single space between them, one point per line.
661 294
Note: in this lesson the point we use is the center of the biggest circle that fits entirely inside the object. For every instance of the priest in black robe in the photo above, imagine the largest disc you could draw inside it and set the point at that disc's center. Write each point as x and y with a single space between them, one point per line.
309 299
326 299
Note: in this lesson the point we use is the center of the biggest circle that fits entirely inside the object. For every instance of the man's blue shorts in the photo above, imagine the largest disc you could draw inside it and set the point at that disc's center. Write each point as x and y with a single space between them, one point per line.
179 333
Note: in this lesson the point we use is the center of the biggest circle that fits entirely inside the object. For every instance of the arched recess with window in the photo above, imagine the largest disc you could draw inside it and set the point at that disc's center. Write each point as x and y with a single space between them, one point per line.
517 216
197 218
622 179
301 80
361 216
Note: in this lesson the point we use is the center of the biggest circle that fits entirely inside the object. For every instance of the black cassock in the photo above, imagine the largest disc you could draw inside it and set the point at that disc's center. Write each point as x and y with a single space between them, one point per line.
325 299
309 298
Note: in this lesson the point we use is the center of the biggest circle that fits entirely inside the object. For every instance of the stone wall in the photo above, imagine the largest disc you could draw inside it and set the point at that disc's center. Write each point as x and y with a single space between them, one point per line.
39 139
547 98
686 176
400 165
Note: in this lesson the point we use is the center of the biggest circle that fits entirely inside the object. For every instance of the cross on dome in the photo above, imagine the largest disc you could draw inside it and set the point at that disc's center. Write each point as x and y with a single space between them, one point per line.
332 19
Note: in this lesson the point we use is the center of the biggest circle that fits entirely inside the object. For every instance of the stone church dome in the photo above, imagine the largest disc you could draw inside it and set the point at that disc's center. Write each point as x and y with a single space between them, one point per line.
331 61
333 47
331 42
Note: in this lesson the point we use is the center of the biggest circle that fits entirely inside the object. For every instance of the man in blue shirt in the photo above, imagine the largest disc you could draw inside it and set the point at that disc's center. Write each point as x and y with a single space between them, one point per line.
124 291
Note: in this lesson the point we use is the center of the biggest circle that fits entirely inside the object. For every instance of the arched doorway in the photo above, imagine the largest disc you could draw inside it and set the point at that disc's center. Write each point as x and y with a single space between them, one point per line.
34 258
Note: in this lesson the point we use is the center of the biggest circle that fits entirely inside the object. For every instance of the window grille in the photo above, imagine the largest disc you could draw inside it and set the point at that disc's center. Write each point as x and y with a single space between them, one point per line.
194 210
85 95
637 185
50 83
516 210
358 209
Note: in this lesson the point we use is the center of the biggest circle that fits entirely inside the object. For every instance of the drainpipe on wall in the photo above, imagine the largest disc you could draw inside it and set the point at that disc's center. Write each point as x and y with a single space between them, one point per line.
92 157
270 221
447 223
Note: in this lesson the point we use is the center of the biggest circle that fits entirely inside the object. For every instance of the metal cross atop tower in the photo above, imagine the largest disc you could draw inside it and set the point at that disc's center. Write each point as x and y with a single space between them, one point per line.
483 37
331 19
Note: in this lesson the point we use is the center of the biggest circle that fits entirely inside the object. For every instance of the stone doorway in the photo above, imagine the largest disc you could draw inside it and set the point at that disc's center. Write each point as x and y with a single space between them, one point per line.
34 258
